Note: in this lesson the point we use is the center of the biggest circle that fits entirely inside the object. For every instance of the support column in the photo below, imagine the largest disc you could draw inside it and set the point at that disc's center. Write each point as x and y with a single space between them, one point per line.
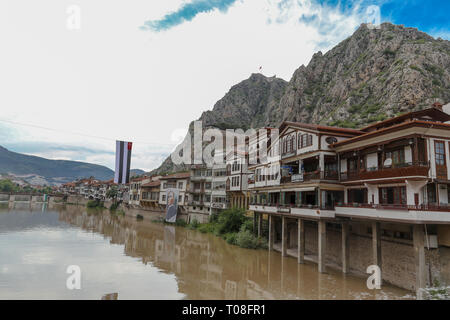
376 244
322 231
301 241
319 198
283 236
345 246
271 232
322 165
419 255
260 218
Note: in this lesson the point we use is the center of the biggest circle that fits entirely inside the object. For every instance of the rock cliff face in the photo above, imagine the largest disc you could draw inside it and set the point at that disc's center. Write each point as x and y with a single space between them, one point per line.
248 104
372 75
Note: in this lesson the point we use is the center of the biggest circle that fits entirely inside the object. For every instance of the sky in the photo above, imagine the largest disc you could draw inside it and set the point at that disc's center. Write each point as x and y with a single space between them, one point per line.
77 75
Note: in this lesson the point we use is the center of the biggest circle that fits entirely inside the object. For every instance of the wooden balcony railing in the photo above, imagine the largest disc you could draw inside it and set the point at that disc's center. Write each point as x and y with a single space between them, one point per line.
285 207
312 175
419 207
417 168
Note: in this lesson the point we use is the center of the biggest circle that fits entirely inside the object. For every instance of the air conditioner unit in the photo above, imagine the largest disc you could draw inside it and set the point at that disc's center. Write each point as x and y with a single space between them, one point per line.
432 241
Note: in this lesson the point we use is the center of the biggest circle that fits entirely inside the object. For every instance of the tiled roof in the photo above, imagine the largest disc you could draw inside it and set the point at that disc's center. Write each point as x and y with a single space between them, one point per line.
395 127
433 113
179 175
319 127
152 184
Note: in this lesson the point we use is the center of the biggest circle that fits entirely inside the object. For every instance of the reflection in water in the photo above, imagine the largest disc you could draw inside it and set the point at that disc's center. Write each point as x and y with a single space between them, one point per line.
169 262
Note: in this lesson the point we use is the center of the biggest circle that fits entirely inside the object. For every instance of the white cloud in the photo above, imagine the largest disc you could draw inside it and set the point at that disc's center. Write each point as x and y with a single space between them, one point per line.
110 79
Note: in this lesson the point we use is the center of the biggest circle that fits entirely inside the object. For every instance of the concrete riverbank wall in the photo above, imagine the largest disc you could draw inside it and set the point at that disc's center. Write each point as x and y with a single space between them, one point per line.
398 263
9 197
146 213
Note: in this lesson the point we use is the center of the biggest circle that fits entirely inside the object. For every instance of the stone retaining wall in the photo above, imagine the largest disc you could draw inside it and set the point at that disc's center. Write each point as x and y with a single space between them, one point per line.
398 261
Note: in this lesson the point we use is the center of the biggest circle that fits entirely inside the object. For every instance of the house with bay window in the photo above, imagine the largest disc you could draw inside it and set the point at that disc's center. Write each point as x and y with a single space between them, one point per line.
398 165
383 190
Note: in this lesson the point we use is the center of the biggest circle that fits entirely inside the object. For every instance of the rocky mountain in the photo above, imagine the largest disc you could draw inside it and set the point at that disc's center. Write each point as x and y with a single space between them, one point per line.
41 171
374 74
249 104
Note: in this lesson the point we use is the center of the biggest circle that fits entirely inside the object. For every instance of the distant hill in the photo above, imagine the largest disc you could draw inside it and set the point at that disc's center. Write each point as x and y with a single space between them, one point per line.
37 170
136 172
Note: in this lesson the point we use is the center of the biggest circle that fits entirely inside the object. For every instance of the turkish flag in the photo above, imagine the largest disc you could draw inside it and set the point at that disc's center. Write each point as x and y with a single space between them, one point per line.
130 144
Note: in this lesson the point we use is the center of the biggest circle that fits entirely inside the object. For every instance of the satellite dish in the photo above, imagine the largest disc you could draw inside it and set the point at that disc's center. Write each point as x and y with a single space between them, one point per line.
388 162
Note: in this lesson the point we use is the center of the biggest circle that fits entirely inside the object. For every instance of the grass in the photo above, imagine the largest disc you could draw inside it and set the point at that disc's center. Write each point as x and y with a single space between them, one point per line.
437 292
416 68
343 124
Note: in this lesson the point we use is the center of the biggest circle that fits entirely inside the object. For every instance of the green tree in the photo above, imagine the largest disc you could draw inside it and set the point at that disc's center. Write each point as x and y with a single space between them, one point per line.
112 192
7 186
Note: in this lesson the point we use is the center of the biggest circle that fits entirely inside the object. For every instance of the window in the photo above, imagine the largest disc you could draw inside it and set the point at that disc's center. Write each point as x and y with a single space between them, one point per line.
352 164
180 185
180 198
236 166
439 150
357 195
397 156
331 166
289 143
393 195
163 197
431 193
305 140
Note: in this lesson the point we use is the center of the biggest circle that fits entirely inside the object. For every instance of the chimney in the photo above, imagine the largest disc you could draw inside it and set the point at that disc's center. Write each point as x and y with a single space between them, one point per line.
437 105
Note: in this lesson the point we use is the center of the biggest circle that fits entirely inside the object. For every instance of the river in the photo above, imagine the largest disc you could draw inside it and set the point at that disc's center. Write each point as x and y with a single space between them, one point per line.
140 259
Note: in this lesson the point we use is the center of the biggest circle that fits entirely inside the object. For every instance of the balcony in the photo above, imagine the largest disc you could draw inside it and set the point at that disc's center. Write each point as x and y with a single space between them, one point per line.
196 203
264 208
407 169
310 176
201 178
197 190
311 211
218 205
423 213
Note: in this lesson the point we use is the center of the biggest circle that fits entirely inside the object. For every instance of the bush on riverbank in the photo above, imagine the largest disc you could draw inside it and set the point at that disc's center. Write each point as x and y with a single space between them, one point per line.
234 227
114 206
95 204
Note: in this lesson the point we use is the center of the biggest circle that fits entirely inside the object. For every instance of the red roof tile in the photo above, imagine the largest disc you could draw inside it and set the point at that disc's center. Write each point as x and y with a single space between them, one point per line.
178 175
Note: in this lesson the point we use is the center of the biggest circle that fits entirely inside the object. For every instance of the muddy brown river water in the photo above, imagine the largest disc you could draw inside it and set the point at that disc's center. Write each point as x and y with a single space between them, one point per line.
146 260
